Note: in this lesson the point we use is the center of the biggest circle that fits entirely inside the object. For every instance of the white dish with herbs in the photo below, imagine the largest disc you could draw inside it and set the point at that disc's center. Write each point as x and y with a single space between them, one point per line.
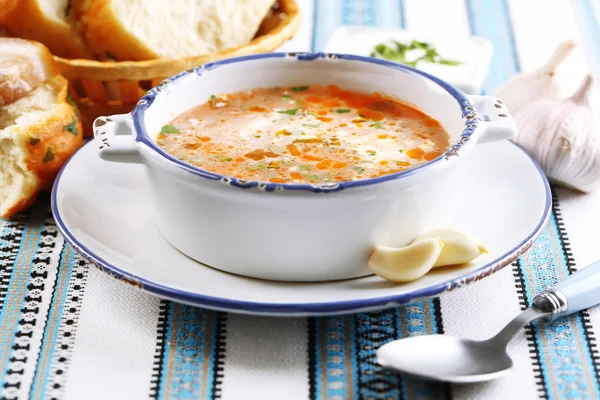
462 62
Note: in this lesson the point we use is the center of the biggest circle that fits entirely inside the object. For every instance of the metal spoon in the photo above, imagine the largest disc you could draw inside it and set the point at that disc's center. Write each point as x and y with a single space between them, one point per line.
450 359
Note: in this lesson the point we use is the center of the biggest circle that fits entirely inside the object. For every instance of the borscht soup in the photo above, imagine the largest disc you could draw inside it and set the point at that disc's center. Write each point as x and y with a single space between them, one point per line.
304 134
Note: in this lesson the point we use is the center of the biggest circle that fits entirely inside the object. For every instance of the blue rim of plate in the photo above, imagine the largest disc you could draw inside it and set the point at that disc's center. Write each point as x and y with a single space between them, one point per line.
471 121
302 309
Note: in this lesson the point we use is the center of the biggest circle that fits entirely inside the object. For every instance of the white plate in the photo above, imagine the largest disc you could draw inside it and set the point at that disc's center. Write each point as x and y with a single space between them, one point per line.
102 209
474 52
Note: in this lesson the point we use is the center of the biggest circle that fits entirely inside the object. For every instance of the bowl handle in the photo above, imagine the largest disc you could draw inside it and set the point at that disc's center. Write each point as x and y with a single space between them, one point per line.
114 139
497 124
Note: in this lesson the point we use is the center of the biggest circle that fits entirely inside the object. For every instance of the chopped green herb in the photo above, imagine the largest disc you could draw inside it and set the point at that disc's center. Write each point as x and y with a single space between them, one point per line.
168 129
289 112
71 102
259 166
449 62
342 110
286 96
377 125
299 88
371 152
396 51
312 113
312 177
72 127
213 97
310 125
401 151
33 141
305 167
223 158
358 169
49 155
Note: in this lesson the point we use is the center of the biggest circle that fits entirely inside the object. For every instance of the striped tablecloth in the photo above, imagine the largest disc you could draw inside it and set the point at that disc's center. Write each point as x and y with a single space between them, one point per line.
67 331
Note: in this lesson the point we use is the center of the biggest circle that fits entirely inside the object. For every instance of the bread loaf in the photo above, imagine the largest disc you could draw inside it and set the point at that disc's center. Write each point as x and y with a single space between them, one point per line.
46 21
38 133
24 64
142 30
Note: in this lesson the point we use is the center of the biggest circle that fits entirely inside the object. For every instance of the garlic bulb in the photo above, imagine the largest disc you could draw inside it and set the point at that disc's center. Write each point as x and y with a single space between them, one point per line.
459 246
562 136
408 263
527 87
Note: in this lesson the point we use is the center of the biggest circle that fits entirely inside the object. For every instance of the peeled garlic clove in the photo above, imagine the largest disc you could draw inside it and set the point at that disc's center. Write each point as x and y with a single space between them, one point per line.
562 136
408 263
524 88
459 246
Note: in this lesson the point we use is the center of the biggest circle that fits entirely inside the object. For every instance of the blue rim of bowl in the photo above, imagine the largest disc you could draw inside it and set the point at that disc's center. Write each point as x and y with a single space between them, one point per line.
469 114
299 309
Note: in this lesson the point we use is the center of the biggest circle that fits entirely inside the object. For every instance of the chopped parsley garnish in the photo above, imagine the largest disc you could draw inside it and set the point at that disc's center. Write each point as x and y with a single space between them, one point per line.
310 125
286 96
358 169
299 88
377 125
33 141
342 110
223 158
305 167
213 97
371 152
398 52
71 102
401 151
168 129
289 112
259 166
49 155
72 127
312 177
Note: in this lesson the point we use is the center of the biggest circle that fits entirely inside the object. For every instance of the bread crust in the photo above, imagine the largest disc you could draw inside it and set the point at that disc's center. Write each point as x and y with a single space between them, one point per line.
7 6
26 20
17 83
105 34
152 69
48 143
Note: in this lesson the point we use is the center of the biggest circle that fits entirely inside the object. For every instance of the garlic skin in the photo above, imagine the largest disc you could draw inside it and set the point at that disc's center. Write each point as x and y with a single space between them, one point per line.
459 246
408 263
527 87
562 136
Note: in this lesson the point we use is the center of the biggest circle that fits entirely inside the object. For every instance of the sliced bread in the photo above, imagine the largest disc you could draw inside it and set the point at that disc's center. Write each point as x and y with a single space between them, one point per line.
142 30
24 64
46 21
38 133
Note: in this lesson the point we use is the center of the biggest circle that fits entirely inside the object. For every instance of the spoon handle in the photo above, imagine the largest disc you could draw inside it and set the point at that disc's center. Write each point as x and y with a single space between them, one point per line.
579 291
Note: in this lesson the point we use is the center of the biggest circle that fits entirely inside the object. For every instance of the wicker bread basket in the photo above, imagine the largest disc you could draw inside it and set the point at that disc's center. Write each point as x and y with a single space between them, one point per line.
107 88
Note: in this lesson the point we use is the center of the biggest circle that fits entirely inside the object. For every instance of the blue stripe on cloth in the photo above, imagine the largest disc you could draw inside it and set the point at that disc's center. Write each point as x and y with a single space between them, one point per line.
389 13
565 359
190 355
344 354
55 314
11 313
491 19
589 26
327 17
